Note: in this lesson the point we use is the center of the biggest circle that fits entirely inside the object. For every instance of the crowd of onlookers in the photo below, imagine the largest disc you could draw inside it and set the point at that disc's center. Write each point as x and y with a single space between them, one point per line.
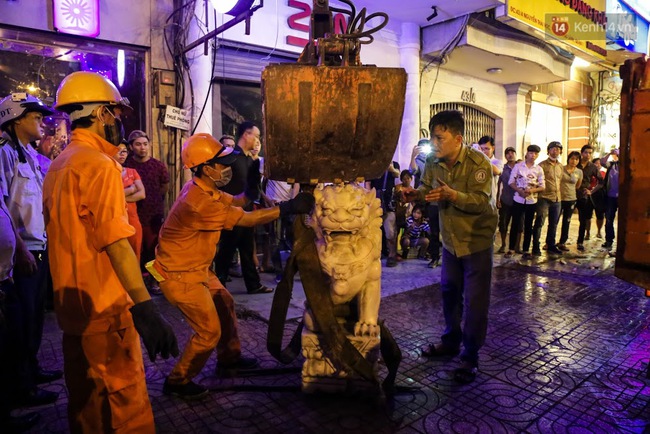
528 194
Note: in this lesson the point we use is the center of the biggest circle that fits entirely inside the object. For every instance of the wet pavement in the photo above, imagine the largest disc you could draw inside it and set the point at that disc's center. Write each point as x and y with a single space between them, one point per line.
567 350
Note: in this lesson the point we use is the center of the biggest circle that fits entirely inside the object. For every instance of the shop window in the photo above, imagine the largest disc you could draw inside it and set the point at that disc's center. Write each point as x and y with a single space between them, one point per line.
477 123
545 124
240 102
36 63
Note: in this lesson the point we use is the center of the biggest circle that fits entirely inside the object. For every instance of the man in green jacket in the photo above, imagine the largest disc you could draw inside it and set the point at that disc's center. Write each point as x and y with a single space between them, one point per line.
459 179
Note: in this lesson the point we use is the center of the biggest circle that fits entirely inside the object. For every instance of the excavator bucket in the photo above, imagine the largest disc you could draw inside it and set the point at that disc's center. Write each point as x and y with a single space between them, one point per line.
330 123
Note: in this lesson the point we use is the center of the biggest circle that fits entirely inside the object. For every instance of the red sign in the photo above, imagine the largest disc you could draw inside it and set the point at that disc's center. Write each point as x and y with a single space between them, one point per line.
340 23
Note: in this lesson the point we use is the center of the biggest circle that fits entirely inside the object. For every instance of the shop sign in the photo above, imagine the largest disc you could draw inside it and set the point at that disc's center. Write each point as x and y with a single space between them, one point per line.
625 27
640 7
177 118
468 96
578 23
76 17
304 14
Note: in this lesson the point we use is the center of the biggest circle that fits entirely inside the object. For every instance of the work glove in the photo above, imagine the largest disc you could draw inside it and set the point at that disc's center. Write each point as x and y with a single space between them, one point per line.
301 204
156 333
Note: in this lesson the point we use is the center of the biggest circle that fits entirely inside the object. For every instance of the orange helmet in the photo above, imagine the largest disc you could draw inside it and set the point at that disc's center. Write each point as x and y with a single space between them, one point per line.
202 147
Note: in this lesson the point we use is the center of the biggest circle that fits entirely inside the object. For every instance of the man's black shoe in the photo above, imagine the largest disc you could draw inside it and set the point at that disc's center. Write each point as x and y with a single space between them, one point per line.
188 391
537 252
45 376
607 245
439 350
232 369
554 250
19 424
35 398
466 373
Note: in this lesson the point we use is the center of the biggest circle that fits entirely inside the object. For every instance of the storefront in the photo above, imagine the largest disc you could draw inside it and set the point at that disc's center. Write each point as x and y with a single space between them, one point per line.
236 92
489 71
482 102
33 63
529 73
41 41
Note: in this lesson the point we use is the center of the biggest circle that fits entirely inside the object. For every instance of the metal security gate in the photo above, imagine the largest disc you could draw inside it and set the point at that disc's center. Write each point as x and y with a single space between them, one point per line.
477 123
236 84
245 64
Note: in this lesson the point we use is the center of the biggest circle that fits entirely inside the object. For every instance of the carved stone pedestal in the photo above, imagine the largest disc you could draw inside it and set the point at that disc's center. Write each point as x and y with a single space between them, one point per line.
320 375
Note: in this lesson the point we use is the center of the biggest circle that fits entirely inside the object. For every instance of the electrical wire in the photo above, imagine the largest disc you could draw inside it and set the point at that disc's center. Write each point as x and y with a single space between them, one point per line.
207 94
277 33
181 24
175 34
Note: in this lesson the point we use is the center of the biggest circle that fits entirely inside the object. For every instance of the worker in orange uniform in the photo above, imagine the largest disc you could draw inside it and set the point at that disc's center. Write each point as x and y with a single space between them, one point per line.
186 248
100 299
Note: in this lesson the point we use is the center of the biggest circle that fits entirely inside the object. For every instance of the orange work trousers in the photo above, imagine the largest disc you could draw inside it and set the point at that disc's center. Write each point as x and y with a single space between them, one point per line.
209 309
104 374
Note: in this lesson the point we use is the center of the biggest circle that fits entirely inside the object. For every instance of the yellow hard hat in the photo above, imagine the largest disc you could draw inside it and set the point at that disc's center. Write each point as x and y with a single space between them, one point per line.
84 87
202 147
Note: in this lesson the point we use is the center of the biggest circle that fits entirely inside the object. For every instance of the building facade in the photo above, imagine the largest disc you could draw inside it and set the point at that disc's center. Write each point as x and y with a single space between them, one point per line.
493 59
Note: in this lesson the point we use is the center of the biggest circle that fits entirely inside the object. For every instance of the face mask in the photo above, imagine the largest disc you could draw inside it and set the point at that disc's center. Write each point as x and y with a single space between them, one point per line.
226 177
114 133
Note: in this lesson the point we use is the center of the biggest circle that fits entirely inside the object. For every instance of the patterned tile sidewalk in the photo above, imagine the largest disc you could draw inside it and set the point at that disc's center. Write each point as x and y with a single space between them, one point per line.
567 349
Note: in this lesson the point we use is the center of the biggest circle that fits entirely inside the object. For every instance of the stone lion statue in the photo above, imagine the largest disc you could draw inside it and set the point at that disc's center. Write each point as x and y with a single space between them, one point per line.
347 221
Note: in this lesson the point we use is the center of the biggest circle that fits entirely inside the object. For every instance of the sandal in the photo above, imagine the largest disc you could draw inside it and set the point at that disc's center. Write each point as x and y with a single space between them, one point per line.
262 290
439 350
466 373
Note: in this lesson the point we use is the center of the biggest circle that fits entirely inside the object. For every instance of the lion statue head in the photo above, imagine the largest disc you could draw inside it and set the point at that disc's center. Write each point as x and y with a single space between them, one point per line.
347 220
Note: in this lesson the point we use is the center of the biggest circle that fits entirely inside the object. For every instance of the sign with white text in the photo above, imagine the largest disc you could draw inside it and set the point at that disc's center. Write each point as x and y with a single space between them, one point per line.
177 118
625 27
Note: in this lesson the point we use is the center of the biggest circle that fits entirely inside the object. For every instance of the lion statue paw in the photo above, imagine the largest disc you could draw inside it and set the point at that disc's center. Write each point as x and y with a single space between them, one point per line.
365 329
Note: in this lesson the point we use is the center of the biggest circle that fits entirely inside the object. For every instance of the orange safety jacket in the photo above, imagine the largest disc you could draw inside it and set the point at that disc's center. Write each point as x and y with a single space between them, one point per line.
85 211
188 239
